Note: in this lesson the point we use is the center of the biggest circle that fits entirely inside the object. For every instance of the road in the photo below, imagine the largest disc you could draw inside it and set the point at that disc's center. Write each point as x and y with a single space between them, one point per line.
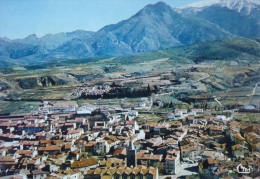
186 169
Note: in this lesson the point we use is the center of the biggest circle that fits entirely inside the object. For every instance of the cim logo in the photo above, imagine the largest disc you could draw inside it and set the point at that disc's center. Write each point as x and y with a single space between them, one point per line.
244 170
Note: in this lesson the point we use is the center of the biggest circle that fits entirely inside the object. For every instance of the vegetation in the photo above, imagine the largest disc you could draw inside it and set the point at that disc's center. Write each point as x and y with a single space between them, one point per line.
89 155
235 48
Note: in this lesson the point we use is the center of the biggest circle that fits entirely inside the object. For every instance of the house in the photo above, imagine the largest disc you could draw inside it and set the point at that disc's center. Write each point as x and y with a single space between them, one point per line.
206 167
86 109
68 126
220 118
148 159
50 149
170 116
176 124
190 152
120 153
249 128
179 114
132 123
25 153
84 163
215 130
7 163
133 113
172 162
41 135
90 147
239 151
33 128
61 116
75 134
192 113
197 110
161 129
39 174
221 173
48 108
213 154
122 172
192 120
183 111
66 174
252 138
101 147
25 145
3 152
80 121
228 113
118 129
238 139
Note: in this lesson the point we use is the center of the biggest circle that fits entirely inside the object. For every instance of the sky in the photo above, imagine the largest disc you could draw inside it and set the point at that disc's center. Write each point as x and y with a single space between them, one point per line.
20 18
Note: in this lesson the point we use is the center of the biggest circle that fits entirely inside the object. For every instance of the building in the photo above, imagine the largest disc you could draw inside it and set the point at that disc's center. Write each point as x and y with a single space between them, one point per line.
239 151
206 167
131 155
215 130
172 162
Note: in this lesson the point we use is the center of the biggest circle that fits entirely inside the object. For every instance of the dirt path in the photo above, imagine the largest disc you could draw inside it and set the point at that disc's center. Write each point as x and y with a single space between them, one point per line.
216 99
253 93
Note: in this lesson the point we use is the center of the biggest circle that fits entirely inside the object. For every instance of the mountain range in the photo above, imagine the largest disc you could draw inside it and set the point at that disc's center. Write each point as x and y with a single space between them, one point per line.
155 27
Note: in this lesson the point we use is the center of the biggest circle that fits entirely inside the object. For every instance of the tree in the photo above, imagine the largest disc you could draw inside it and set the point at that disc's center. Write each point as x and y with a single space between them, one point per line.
113 84
102 154
148 90
165 105
170 105
89 155
205 105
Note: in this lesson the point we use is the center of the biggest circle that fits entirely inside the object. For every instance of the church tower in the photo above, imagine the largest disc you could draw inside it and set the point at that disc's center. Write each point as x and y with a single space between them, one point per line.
131 155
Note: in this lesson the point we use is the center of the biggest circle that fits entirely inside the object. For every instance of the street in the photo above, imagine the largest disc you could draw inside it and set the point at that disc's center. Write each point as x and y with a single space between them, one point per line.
186 169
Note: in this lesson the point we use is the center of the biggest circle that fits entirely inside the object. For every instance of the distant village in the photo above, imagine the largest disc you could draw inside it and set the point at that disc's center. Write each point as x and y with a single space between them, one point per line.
102 142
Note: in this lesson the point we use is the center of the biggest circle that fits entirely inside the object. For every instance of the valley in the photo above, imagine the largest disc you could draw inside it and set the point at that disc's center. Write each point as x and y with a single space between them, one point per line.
173 75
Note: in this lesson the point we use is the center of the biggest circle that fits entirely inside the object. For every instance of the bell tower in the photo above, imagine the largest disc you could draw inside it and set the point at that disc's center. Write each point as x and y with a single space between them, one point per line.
131 155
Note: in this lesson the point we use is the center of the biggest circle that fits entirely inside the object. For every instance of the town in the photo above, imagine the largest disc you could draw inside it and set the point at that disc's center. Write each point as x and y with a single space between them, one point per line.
64 140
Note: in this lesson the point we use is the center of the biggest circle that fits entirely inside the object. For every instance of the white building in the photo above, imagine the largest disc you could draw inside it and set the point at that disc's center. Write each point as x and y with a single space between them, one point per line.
198 111
171 116
75 134
133 113
172 162
86 109
101 147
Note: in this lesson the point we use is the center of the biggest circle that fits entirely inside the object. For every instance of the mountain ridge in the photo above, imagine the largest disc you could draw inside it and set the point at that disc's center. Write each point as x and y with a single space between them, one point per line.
231 4
154 27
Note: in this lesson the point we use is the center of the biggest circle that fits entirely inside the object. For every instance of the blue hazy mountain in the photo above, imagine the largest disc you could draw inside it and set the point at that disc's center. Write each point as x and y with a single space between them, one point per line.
155 27
239 17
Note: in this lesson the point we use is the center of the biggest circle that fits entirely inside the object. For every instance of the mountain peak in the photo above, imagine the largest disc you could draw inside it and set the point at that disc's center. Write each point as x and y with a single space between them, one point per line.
160 4
32 36
157 6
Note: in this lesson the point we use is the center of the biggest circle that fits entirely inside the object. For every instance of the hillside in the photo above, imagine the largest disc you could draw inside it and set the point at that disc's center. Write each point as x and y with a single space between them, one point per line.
238 49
